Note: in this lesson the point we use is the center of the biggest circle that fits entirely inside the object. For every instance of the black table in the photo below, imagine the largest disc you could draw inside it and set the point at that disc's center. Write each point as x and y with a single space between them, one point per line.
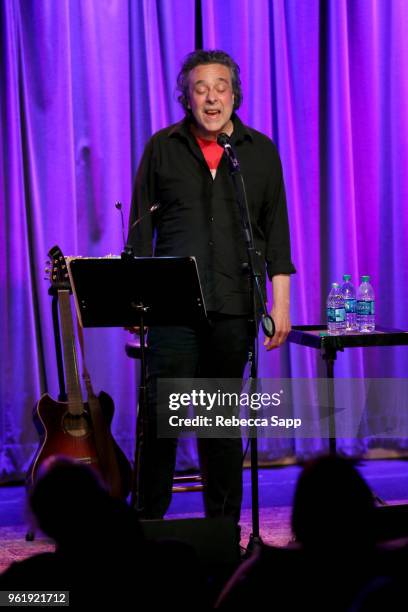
316 336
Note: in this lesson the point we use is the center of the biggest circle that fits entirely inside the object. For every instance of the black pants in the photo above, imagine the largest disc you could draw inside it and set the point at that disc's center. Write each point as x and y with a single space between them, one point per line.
219 351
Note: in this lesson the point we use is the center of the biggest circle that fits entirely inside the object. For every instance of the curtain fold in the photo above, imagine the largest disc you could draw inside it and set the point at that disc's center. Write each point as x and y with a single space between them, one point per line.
83 85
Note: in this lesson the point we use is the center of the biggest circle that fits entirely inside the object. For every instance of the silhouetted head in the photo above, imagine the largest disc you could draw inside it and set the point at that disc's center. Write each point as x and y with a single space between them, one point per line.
333 506
71 505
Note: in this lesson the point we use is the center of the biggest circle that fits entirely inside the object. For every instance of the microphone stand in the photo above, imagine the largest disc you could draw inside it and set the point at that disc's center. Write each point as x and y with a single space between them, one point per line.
268 326
137 498
128 249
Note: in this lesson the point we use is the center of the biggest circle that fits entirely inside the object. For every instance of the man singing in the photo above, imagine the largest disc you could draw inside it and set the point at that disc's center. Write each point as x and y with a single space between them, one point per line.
185 169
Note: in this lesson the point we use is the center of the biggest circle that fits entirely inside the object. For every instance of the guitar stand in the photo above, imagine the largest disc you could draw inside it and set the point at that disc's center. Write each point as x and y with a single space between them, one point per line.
62 396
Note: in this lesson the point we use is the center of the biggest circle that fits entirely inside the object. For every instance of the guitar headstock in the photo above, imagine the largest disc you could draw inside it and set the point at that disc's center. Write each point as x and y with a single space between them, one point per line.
58 272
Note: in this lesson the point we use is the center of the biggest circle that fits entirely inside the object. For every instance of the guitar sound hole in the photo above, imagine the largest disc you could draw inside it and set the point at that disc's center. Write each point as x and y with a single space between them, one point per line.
76 425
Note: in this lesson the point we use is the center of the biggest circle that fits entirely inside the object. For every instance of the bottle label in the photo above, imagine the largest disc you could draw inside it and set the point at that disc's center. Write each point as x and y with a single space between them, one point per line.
350 305
331 315
340 314
365 307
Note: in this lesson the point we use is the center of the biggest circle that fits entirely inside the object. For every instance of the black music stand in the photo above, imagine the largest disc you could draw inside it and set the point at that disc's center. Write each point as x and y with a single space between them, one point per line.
137 292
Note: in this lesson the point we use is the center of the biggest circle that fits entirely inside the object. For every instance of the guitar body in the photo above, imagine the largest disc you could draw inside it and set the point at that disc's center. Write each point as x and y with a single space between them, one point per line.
62 433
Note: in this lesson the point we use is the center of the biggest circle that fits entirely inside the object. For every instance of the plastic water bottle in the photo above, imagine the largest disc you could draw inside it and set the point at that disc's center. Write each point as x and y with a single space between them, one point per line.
349 295
365 306
336 312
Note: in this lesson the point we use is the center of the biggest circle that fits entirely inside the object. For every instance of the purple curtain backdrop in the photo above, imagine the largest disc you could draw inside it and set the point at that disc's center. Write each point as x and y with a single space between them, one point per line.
83 85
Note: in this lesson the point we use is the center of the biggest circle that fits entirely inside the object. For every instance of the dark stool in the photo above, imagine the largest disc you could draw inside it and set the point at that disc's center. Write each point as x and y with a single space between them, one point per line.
181 483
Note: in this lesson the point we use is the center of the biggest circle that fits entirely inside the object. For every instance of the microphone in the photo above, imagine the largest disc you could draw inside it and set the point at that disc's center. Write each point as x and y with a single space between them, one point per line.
150 211
119 207
224 141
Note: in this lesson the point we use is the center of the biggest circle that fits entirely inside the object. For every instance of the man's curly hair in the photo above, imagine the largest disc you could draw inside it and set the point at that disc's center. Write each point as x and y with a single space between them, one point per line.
199 58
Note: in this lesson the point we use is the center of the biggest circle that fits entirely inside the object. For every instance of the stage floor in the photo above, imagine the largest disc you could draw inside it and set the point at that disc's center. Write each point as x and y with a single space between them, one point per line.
387 478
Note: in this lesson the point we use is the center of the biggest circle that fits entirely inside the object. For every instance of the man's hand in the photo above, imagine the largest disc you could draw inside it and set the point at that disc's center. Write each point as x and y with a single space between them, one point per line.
282 328
280 311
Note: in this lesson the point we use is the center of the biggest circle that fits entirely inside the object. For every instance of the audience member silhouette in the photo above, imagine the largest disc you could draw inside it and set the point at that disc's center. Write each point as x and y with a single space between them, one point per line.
335 553
98 539
333 508
101 556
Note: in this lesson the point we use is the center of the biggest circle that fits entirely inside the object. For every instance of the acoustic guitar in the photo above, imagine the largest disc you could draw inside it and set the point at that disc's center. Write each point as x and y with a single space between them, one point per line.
78 429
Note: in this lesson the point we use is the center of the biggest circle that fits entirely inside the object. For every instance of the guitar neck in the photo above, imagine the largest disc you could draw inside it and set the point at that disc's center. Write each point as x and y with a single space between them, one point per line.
74 391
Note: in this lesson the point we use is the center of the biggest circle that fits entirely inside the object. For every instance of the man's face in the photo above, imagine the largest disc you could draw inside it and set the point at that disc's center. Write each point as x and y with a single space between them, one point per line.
211 97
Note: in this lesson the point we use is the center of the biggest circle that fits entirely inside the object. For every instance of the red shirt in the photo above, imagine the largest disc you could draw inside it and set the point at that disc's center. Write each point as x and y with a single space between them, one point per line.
212 153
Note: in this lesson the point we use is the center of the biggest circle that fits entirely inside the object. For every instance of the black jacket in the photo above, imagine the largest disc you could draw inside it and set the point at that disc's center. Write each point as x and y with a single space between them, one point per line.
199 215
